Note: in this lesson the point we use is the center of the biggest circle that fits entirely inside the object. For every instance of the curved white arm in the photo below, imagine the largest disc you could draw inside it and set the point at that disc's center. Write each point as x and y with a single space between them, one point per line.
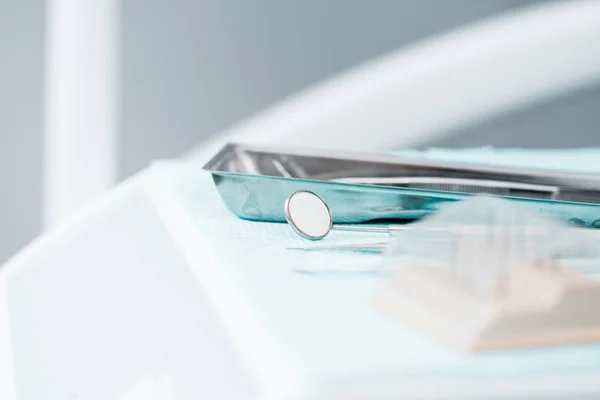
453 80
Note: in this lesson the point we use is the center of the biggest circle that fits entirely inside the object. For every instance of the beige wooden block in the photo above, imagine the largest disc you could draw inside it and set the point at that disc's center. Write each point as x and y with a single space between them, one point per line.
540 305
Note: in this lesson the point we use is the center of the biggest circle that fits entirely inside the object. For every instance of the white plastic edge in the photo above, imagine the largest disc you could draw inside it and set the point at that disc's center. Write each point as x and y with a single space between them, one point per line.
8 390
72 225
275 376
434 87
49 241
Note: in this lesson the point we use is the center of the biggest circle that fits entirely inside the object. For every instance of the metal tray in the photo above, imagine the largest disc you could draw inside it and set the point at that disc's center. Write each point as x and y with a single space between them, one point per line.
254 182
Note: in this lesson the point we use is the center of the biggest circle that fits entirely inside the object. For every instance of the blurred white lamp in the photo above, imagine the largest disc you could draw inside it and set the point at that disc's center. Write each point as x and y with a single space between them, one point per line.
81 104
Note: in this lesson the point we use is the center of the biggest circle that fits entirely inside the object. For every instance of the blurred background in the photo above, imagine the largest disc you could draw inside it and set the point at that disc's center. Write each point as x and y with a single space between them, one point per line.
189 69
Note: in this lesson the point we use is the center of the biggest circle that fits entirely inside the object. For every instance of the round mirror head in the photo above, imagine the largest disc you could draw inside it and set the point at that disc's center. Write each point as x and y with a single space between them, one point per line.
308 215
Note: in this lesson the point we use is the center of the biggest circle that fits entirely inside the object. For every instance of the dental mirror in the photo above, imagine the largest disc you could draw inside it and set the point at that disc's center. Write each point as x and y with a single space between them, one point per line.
308 215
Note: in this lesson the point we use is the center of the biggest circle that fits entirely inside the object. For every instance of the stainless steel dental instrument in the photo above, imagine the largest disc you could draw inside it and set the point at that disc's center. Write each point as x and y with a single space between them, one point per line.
311 218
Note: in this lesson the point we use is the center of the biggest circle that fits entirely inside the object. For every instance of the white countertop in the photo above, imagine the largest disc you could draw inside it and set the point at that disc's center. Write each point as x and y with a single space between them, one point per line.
142 296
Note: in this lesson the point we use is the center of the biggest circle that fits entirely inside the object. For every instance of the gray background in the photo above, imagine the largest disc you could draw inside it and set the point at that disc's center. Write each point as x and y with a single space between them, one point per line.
191 68
21 84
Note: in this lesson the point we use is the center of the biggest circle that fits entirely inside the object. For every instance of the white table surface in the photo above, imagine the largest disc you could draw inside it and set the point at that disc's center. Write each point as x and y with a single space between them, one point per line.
124 302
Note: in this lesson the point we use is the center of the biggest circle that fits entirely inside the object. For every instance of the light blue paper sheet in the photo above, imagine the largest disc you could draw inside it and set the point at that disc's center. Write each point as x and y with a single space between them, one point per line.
326 324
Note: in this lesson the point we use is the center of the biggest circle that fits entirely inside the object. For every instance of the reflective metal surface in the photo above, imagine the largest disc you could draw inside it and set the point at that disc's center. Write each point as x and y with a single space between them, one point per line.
255 182
308 215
